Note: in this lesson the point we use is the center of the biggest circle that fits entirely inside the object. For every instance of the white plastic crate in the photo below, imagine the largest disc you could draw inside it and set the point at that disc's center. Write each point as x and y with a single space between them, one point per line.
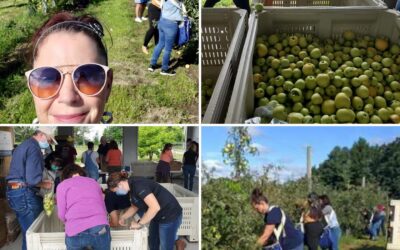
322 22
336 3
189 202
47 233
222 35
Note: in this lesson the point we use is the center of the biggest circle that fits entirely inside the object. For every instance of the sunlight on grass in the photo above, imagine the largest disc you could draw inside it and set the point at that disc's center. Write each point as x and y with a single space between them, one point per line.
351 243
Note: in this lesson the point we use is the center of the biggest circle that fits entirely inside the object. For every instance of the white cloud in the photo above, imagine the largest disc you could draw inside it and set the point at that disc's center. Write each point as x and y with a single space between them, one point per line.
220 169
261 148
255 131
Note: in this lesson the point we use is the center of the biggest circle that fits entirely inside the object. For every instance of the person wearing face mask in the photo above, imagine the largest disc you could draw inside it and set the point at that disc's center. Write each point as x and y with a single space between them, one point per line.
163 212
51 172
81 208
26 178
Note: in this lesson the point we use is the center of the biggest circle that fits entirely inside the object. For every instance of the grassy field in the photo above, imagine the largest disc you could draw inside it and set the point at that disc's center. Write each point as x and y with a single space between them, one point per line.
351 243
137 96
222 3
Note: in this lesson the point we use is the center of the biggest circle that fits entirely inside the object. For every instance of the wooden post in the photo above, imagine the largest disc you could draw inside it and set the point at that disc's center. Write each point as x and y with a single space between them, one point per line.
309 170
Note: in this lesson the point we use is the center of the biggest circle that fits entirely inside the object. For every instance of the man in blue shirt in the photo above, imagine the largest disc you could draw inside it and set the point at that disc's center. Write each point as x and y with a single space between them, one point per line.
25 178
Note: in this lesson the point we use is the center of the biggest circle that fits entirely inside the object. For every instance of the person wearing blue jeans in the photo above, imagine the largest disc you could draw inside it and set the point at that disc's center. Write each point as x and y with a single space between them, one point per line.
27 207
163 212
171 16
25 179
98 237
336 233
375 224
332 221
163 236
189 165
91 159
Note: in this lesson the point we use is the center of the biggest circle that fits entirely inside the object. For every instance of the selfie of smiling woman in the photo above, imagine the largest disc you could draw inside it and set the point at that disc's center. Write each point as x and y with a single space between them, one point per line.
84 62
70 81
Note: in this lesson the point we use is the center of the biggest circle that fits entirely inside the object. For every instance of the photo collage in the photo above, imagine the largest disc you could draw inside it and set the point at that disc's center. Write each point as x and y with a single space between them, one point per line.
199 124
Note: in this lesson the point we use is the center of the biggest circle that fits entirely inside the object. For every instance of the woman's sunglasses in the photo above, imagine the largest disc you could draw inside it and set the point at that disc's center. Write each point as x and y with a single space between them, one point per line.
89 79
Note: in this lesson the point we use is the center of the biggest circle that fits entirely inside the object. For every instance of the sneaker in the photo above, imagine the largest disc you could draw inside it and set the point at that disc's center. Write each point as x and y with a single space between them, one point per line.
138 19
152 68
144 18
168 72
145 50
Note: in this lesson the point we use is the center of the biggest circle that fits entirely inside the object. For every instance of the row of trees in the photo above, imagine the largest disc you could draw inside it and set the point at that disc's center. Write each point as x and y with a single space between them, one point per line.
378 164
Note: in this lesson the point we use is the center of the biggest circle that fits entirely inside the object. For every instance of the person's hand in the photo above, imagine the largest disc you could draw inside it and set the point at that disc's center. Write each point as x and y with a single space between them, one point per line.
135 225
122 221
47 184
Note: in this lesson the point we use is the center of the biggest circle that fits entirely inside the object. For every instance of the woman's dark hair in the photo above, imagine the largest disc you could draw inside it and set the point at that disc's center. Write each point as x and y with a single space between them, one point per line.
314 210
65 21
257 196
115 178
52 157
70 170
113 144
90 145
167 146
324 200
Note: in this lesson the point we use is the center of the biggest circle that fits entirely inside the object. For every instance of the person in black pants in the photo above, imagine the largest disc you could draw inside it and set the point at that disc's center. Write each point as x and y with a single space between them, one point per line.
154 13
242 4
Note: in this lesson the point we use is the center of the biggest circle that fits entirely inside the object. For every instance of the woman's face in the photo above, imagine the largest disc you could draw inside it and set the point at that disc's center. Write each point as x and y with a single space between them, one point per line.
62 49
261 207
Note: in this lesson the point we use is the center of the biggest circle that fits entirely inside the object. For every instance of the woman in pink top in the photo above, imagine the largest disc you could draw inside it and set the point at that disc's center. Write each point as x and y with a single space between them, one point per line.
81 207
163 167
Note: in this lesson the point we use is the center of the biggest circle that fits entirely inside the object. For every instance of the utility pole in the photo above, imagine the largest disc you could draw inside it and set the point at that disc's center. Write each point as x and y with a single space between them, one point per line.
309 172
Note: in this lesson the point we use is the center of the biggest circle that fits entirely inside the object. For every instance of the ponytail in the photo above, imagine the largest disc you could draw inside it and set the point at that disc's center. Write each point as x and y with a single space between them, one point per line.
257 196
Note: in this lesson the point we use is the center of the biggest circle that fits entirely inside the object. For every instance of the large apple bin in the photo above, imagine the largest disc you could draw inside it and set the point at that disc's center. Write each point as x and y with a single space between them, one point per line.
320 21
223 33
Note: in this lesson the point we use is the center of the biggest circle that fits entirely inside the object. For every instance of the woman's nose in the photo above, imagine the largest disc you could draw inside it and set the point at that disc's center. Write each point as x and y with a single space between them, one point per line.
68 93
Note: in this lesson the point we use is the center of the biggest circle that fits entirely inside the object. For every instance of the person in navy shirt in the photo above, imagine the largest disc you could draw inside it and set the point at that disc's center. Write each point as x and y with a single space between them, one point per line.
289 238
25 179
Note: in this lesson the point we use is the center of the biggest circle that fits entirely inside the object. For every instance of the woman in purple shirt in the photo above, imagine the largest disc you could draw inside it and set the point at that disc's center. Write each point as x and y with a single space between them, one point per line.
81 207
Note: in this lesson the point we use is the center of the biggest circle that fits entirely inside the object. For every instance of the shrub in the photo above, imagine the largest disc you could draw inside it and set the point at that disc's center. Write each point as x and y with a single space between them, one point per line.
191 50
228 221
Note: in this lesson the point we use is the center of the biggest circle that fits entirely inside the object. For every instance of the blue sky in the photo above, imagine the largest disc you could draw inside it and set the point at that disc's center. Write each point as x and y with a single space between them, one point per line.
286 145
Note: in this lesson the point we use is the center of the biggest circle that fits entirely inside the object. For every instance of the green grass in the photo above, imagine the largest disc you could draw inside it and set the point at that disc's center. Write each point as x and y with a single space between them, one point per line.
137 96
222 3
351 243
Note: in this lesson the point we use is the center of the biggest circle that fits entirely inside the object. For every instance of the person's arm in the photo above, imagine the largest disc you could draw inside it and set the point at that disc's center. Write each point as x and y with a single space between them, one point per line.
156 3
114 219
108 156
153 208
268 230
171 156
61 203
34 165
121 158
74 153
128 213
